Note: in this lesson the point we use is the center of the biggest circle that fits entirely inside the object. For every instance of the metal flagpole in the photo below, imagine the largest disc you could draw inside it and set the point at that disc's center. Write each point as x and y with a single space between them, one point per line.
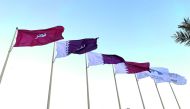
139 91
159 95
175 96
116 89
10 49
87 87
51 75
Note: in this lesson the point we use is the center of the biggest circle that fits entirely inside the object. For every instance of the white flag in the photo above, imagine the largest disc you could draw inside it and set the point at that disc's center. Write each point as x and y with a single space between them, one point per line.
159 77
143 74
177 79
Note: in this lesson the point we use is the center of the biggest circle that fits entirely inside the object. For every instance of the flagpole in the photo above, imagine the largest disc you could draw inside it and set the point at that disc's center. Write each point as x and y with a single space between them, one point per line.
159 95
140 92
50 82
6 60
119 103
87 86
175 96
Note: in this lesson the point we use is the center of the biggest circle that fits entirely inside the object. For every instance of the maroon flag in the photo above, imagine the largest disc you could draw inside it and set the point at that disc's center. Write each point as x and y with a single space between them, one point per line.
38 37
131 67
98 58
134 67
82 46
65 48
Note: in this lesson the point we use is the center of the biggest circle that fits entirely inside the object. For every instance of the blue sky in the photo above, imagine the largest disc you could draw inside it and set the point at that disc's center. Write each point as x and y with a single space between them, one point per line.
136 30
